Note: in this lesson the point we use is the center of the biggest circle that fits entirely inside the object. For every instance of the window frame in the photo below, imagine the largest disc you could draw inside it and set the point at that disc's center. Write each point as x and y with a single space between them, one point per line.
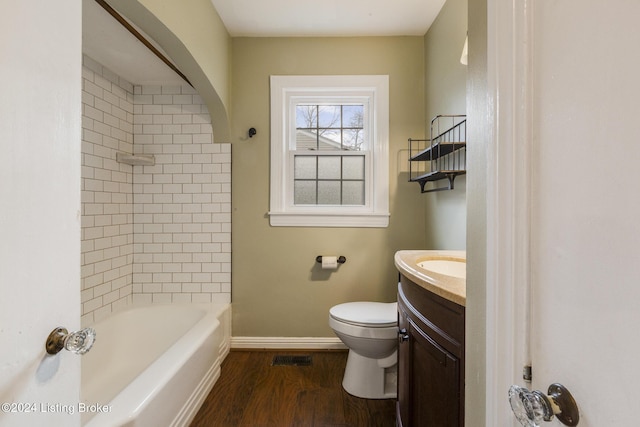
286 92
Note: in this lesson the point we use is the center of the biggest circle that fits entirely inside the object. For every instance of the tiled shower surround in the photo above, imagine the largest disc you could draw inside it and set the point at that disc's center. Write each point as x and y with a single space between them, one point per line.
158 233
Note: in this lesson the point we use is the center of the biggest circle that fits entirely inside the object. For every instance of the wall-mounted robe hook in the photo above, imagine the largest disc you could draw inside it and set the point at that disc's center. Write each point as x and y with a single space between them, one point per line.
252 131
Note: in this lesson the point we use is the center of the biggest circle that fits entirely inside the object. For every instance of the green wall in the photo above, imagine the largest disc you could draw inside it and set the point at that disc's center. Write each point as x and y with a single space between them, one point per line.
278 289
445 93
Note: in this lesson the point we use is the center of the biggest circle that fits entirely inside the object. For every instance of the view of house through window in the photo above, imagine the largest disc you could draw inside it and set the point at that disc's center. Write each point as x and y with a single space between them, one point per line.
329 127
321 175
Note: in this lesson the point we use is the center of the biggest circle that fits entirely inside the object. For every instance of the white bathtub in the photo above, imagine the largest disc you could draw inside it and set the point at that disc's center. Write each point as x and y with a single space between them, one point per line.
154 365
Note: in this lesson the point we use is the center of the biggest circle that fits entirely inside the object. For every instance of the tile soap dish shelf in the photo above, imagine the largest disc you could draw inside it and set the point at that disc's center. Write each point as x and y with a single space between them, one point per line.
136 159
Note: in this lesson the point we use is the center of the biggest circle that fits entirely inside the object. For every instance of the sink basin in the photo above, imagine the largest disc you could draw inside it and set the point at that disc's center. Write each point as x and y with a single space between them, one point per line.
448 267
443 272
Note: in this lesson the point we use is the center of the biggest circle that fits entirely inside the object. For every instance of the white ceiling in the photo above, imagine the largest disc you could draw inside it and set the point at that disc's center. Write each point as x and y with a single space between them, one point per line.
260 18
106 41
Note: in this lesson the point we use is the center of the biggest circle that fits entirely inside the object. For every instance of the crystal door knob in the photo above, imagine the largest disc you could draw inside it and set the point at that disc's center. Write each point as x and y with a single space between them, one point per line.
533 407
78 342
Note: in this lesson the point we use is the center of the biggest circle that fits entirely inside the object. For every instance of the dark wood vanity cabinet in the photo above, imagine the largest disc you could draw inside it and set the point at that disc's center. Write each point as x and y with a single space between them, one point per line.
430 359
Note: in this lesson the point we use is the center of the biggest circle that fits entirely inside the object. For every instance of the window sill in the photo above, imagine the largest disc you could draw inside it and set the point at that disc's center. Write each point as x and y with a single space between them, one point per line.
281 219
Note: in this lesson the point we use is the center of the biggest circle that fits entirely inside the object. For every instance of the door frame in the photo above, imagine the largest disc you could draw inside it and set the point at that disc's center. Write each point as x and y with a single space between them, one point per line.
505 275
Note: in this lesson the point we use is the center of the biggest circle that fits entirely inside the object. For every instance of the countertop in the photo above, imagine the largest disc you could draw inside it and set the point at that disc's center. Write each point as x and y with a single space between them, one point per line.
451 288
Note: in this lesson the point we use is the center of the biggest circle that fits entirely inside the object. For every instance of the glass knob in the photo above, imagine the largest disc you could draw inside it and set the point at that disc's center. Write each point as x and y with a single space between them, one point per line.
81 341
530 408
78 342
533 407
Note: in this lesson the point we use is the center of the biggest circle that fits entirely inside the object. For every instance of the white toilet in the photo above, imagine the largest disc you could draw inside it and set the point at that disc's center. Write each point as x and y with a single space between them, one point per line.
370 330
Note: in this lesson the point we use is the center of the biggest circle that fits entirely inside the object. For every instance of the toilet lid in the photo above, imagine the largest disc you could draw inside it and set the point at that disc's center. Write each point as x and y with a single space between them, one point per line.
371 314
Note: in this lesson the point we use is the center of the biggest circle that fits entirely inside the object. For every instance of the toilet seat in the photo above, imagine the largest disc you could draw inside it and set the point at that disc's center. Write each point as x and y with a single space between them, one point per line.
366 314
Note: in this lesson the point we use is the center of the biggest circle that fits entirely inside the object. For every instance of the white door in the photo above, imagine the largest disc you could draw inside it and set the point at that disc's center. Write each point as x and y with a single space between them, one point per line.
577 75
40 75
586 205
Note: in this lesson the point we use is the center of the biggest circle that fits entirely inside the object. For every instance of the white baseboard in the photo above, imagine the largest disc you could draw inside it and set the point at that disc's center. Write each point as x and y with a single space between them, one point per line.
297 343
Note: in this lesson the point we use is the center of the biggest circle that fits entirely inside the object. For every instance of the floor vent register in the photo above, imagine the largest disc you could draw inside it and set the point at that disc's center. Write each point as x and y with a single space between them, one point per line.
289 360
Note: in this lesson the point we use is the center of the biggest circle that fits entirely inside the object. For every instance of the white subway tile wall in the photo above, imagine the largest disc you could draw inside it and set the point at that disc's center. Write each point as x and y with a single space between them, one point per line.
182 204
107 192
157 233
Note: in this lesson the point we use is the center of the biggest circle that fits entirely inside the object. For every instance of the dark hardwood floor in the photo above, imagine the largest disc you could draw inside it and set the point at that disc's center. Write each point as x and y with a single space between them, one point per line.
251 392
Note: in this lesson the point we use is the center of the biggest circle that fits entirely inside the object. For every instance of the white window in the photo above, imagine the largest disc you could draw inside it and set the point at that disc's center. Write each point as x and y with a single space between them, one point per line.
329 151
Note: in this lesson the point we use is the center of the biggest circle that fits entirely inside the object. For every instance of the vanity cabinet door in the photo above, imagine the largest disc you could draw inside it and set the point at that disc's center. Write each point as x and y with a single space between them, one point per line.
435 396
430 360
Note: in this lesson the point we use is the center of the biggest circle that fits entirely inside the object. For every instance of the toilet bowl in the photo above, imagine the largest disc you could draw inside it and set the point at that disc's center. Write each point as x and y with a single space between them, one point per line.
370 331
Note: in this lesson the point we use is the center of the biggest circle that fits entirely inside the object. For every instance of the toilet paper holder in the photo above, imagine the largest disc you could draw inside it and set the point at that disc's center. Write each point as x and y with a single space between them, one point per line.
341 259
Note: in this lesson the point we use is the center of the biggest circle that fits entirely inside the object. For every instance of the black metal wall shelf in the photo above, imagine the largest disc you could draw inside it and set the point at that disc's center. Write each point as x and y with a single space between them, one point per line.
443 156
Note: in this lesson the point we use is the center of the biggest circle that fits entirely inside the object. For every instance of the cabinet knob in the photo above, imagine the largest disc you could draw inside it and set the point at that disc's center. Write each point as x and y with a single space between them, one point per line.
533 407
403 335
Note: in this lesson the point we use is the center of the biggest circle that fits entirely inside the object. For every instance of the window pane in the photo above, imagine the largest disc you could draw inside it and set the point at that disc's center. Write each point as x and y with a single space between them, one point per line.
330 139
306 116
329 116
304 192
306 139
329 167
328 192
304 167
353 167
353 193
353 116
353 139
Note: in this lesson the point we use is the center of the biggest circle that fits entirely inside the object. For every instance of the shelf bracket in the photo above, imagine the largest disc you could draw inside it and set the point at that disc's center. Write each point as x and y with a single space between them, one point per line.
450 176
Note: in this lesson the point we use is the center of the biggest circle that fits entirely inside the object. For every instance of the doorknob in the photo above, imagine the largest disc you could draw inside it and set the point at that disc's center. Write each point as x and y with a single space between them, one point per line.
533 407
78 342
